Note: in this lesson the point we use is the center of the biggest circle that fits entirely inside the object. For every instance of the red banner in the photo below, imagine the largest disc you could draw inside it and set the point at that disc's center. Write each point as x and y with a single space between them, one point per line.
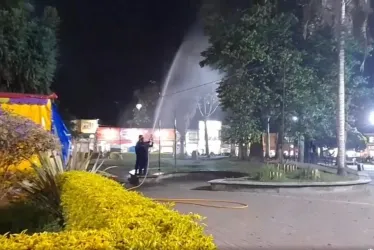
131 135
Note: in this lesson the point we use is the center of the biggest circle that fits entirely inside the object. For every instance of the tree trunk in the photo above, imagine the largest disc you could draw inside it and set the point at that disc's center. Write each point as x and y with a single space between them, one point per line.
243 151
256 151
276 147
206 138
281 137
280 142
182 141
232 150
341 94
268 138
301 148
240 153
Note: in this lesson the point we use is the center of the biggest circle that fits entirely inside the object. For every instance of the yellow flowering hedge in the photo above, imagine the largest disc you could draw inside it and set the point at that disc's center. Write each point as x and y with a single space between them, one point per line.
100 214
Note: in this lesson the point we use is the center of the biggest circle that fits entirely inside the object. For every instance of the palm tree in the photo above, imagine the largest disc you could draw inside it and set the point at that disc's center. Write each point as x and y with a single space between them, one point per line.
344 16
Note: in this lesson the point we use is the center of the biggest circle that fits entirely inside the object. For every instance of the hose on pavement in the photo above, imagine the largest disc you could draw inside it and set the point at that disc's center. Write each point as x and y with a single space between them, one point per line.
196 202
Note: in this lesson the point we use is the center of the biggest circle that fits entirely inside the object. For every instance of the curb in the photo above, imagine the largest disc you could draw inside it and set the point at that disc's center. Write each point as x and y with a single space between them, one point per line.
256 186
203 173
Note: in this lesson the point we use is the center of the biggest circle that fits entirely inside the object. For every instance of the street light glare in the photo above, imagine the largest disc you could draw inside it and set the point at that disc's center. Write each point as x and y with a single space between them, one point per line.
294 118
139 106
371 118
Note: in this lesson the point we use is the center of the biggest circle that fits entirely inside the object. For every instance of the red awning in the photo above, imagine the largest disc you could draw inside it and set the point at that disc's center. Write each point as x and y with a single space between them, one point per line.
18 95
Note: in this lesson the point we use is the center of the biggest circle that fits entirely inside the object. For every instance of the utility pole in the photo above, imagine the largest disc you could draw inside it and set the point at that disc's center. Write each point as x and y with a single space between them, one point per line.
268 138
159 129
283 105
159 145
175 138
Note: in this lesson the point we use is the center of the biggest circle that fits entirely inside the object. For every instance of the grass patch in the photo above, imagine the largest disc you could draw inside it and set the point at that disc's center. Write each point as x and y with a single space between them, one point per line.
274 174
256 171
167 165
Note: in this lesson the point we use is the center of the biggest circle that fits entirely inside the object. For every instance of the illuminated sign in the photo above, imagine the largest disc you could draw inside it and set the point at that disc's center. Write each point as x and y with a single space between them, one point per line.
88 126
131 135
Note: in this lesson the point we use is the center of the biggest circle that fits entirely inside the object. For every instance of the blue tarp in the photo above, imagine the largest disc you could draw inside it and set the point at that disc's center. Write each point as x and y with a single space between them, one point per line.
131 149
59 129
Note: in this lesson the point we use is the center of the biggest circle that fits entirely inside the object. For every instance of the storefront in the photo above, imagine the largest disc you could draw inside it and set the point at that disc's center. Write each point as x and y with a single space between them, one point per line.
124 139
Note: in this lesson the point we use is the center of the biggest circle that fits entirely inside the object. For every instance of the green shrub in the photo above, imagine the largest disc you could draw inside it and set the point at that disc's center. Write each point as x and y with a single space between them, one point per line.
44 189
269 173
21 138
136 222
100 214
66 240
306 174
16 217
286 168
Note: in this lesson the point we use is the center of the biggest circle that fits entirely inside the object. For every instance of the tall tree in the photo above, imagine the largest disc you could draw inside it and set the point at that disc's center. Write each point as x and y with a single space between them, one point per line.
261 71
186 111
28 48
141 119
143 107
181 104
261 63
207 105
344 17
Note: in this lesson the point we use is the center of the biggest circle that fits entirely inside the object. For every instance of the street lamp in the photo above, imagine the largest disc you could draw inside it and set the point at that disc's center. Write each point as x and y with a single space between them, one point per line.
139 106
294 119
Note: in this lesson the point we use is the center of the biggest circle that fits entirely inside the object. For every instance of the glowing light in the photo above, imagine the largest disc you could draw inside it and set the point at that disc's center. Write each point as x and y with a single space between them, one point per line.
371 118
158 174
295 118
160 134
110 134
211 125
139 106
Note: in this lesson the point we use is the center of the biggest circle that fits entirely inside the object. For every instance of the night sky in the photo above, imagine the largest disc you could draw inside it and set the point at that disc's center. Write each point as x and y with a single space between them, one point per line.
110 48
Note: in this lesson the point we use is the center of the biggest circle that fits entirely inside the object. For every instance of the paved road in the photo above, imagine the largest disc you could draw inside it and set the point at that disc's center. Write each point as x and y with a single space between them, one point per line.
275 221
369 168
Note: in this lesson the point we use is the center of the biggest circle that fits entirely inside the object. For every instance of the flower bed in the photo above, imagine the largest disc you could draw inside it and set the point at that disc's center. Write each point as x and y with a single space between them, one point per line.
100 214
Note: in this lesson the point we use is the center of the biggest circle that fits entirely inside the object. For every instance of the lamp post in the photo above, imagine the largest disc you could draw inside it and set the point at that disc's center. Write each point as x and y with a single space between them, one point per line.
159 145
175 138
159 126
281 146
296 119
138 106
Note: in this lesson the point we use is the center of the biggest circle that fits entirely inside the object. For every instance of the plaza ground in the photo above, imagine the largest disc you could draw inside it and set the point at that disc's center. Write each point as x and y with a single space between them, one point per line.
278 221
272 220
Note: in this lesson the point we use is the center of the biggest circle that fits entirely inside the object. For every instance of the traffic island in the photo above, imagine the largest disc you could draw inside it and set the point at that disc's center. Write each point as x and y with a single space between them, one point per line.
278 178
278 187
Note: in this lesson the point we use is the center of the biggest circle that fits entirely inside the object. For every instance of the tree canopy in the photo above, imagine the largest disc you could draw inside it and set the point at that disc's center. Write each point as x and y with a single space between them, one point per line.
270 66
28 47
147 97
